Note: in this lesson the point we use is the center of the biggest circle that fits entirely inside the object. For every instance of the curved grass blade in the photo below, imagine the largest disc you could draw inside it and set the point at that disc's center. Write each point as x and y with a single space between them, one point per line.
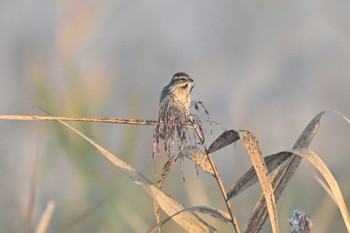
313 158
252 145
250 177
283 175
215 213
326 188
226 138
188 221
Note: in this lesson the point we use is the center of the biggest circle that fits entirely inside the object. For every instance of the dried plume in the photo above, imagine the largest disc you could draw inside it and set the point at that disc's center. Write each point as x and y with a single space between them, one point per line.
171 127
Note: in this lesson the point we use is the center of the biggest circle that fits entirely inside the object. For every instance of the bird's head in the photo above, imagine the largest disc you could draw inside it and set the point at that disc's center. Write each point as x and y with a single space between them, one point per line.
181 80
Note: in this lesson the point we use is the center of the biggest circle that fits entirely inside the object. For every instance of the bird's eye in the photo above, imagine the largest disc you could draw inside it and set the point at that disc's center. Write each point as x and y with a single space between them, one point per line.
183 79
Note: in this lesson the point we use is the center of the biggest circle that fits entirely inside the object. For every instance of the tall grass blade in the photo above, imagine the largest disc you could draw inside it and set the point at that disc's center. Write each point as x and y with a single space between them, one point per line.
283 175
252 145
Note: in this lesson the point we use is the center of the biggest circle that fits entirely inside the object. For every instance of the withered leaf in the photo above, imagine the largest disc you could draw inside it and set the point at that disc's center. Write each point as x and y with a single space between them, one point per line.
226 138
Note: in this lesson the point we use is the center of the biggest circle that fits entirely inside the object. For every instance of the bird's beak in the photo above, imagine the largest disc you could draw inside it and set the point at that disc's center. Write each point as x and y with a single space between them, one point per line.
190 80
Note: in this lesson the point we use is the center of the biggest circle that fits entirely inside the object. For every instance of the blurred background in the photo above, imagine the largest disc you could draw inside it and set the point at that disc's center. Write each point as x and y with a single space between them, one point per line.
265 66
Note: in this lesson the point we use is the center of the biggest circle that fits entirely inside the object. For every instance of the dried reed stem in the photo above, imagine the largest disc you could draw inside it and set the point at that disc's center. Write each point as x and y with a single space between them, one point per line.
86 119
218 179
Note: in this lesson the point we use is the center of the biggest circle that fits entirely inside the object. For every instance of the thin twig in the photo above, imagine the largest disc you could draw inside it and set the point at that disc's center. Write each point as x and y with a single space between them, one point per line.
217 177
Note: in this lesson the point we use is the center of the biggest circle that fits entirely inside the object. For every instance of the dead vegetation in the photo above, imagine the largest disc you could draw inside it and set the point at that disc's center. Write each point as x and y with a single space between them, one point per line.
176 129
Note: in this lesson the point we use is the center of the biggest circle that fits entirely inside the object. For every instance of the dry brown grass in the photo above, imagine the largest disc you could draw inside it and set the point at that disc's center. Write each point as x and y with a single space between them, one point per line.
285 163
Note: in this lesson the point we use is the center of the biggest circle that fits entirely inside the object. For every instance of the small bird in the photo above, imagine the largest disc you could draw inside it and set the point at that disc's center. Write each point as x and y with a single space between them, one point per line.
173 115
180 87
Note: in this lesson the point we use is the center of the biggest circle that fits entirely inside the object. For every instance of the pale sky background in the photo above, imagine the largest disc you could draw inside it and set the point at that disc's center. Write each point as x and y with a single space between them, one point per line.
265 66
